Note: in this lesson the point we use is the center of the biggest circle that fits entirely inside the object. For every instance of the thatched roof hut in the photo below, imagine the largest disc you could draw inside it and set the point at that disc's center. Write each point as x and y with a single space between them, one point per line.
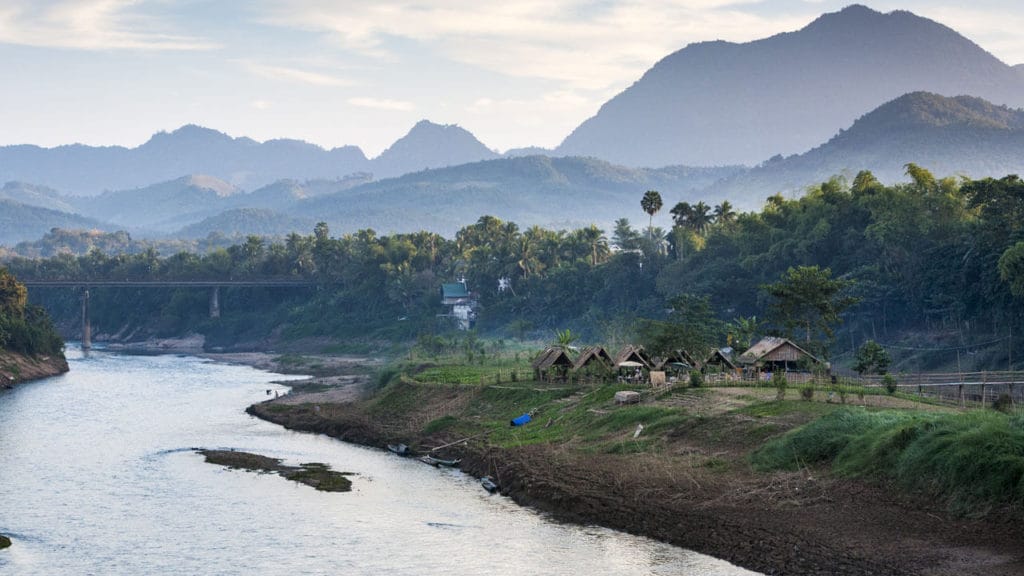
775 352
593 356
673 359
631 353
720 357
552 361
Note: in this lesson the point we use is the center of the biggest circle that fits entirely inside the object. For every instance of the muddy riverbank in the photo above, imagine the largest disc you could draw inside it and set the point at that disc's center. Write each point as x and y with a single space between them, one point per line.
15 368
695 491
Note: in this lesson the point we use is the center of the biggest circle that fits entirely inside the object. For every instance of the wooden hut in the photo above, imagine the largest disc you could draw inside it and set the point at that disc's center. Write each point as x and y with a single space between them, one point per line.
773 353
551 364
674 359
631 353
594 364
720 359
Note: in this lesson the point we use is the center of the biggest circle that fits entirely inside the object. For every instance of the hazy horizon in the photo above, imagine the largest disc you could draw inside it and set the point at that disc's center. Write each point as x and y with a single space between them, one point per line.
116 72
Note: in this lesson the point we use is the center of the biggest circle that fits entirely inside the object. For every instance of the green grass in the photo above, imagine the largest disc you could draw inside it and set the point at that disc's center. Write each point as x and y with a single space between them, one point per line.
788 407
973 461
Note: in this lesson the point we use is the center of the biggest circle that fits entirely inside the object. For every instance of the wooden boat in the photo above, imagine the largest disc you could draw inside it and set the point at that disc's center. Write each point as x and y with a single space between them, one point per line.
488 484
400 449
440 461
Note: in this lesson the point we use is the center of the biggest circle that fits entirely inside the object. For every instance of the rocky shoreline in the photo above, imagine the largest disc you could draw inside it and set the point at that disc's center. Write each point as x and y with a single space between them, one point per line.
16 368
806 522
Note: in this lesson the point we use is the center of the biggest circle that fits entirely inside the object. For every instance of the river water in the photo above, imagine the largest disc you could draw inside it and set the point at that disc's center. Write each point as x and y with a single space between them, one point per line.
98 476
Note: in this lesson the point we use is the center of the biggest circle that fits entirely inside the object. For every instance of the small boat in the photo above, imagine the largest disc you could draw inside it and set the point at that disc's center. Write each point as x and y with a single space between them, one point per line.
488 484
400 449
440 461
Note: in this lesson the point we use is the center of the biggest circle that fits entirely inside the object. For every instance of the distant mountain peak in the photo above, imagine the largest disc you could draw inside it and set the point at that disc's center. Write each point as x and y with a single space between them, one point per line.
716 103
431 145
929 110
212 183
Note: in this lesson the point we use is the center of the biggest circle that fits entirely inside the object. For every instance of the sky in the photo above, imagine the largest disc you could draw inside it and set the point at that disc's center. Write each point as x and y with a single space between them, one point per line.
515 73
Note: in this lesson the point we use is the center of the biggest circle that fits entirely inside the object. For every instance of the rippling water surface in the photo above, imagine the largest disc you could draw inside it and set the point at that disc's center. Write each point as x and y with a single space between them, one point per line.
98 476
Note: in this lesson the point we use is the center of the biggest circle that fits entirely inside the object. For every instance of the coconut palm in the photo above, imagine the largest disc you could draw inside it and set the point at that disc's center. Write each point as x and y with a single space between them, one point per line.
700 218
724 214
681 214
651 203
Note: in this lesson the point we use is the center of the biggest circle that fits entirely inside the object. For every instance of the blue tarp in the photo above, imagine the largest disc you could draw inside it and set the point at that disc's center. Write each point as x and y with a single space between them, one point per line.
521 420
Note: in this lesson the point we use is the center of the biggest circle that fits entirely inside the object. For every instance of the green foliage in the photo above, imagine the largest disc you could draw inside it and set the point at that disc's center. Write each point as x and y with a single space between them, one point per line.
807 392
872 358
807 297
691 326
974 461
919 255
780 383
889 382
696 379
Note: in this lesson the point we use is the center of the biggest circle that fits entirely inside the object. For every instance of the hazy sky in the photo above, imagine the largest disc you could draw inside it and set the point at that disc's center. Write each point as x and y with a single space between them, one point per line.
515 72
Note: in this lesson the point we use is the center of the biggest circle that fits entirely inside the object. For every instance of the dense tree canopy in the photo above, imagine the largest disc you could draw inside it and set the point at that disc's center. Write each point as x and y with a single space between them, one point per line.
930 254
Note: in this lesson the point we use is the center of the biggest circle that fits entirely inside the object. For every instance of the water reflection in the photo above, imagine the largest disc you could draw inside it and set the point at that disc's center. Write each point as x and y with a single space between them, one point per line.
99 478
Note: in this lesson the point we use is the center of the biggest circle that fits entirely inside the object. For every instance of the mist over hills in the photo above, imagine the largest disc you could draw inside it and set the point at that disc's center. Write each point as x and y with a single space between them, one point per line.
715 103
948 136
22 222
555 192
242 162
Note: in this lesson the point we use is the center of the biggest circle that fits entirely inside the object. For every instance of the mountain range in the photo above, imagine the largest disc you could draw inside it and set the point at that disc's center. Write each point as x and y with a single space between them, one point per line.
949 136
719 102
243 162
851 84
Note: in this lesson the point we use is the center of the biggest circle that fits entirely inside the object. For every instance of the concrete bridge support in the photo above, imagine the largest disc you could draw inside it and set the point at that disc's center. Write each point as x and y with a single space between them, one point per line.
215 302
86 325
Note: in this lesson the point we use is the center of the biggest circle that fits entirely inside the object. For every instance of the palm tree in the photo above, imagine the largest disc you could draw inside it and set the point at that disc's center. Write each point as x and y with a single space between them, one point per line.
724 214
594 238
681 214
701 217
651 203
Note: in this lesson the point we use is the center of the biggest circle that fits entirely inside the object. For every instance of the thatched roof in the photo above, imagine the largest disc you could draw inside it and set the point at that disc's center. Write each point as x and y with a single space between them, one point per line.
718 356
551 357
675 356
631 353
775 349
594 354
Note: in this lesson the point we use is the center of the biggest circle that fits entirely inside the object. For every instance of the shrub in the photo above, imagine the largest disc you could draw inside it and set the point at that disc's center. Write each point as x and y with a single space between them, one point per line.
807 392
1003 404
780 383
890 383
696 380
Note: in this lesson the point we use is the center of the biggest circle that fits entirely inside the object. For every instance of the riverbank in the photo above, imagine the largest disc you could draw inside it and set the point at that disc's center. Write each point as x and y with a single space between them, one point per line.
16 368
684 479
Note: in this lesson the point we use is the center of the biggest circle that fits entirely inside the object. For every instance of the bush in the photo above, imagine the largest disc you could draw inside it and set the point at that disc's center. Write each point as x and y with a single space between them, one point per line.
696 379
807 392
780 383
1003 404
890 383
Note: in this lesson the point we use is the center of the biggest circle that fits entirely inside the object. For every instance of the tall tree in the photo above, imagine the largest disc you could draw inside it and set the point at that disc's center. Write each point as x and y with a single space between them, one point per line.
725 215
651 204
808 297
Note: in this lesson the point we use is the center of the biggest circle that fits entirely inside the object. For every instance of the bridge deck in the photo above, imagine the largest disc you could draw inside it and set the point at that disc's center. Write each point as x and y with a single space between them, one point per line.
165 283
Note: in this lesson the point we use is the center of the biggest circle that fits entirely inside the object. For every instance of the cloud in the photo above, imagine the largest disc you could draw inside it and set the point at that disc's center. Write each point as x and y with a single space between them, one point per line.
580 43
89 25
382 104
290 74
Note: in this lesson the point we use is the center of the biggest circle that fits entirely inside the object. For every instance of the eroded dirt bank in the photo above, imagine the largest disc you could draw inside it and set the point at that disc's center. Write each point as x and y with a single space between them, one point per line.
805 522
15 368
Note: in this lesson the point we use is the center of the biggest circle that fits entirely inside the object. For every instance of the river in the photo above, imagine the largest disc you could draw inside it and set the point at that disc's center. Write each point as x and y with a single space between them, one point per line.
98 476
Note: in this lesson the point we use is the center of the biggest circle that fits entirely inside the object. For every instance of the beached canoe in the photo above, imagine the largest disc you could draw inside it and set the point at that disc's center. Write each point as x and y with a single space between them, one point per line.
488 484
400 449
440 461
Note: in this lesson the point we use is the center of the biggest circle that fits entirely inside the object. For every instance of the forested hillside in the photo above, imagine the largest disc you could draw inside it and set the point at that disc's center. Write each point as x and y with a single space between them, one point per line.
936 261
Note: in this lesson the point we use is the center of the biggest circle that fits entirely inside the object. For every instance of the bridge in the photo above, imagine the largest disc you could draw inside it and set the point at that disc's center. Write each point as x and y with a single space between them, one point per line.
213 285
